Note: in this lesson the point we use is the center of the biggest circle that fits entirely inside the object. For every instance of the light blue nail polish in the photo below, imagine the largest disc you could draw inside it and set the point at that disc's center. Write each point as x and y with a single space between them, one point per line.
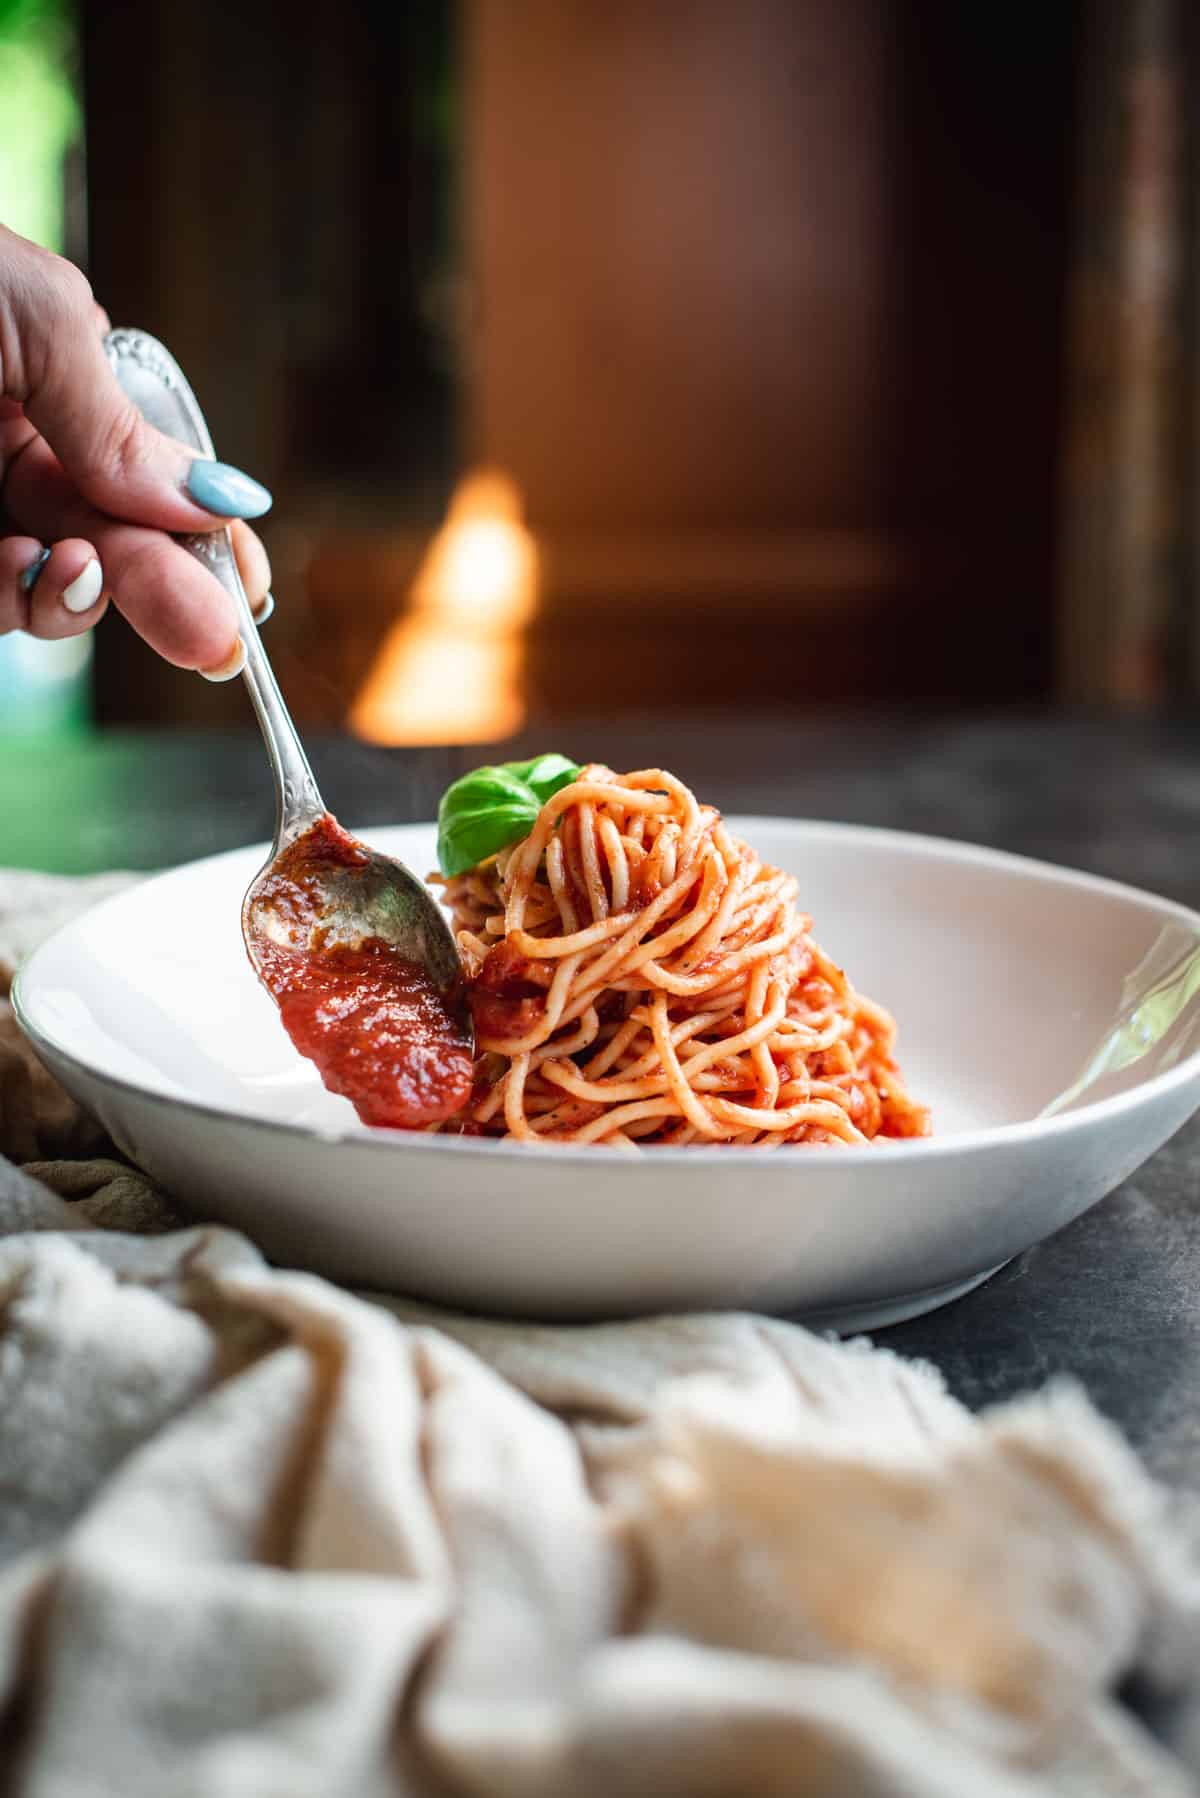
28 576
226 491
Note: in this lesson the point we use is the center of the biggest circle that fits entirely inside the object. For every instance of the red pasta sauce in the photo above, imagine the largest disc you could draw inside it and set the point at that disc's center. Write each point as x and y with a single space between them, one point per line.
372 1022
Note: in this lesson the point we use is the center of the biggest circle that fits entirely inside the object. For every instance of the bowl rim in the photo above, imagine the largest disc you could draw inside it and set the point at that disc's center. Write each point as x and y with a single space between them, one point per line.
381 1140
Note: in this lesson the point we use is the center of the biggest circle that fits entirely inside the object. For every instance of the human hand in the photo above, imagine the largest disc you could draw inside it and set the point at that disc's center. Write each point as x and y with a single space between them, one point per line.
89 490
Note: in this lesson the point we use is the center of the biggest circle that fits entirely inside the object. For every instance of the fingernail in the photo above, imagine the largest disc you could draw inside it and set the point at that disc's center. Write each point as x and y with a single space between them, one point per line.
231 667
265 609
226 491
28 576
84 590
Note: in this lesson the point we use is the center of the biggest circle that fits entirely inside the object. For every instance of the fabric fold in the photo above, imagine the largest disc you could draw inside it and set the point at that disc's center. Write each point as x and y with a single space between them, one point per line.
264 1538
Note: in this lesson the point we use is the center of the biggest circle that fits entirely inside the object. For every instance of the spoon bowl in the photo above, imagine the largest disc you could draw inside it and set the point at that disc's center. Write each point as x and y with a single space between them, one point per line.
351 894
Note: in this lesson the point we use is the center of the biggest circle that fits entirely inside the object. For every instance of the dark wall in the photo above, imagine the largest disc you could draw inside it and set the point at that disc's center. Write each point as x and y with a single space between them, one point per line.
270 191
760 304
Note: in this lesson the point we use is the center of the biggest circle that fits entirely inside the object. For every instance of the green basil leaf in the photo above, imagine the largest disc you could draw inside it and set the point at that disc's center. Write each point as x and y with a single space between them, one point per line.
545 774
492 807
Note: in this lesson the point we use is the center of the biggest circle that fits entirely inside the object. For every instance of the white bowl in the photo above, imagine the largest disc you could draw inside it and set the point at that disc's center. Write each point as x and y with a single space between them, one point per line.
1004 974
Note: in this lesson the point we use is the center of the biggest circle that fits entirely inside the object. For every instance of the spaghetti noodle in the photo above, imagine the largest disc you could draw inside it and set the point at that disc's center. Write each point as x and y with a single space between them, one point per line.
638 976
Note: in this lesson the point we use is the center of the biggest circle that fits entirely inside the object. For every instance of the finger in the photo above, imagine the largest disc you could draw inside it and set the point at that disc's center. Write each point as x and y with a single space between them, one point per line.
15 432
253 567
180 609
101 322
68 595
116 460
19 558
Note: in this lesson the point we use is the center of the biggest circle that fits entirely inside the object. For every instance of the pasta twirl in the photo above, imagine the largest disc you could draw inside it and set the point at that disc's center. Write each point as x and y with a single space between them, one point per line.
638 976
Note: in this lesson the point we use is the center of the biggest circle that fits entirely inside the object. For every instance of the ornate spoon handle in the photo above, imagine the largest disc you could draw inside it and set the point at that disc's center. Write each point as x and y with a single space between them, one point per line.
154 381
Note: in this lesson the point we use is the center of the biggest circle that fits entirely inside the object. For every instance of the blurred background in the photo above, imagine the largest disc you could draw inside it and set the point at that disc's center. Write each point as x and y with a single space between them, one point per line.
647 355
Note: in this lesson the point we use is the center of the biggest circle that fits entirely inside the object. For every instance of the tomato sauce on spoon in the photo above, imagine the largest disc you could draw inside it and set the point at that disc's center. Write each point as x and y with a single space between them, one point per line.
372 1021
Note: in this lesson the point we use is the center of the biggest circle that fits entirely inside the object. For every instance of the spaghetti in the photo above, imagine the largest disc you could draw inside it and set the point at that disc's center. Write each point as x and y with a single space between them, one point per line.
638 976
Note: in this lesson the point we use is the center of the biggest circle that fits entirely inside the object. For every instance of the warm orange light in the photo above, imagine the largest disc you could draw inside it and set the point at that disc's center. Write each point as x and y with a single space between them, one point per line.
449 670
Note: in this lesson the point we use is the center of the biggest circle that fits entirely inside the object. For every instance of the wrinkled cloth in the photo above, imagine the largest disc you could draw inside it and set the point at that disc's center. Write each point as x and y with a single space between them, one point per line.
264 1538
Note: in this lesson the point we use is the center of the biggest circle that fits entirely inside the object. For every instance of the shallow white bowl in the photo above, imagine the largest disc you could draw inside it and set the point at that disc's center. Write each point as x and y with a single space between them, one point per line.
1004 974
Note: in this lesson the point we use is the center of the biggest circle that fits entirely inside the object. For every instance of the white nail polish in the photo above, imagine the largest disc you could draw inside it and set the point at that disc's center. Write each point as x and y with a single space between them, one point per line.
230 668
84 590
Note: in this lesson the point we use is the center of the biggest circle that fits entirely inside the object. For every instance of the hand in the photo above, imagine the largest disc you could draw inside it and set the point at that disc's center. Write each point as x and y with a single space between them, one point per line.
89 491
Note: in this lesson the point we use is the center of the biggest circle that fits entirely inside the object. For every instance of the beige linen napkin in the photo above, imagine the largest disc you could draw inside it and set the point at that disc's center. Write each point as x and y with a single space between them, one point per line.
261 1538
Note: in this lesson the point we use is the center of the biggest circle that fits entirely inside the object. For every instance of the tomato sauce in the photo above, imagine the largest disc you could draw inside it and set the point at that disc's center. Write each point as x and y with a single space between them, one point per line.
372 1022
505 1001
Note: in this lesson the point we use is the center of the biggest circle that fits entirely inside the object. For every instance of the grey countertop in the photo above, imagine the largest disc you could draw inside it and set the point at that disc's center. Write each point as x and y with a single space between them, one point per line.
1114 1299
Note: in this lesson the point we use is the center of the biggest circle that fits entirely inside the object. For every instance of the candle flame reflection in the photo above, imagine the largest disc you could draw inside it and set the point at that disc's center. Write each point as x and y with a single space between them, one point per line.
449 670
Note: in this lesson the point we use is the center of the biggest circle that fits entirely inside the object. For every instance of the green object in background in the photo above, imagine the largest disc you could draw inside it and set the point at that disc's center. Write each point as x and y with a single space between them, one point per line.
39 116
44 687
84 806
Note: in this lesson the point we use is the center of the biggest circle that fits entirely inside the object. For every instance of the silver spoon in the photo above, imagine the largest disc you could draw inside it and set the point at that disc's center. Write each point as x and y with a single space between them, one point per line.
368 896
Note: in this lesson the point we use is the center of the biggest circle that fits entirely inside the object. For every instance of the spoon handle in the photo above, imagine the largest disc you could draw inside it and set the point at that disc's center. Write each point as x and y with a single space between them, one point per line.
154 381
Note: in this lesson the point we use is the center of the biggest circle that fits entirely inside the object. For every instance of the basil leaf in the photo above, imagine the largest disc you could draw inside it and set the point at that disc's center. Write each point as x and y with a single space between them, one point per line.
492 807
545 774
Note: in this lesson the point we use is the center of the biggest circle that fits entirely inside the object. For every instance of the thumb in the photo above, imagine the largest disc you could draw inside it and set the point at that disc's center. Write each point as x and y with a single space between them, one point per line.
117 461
